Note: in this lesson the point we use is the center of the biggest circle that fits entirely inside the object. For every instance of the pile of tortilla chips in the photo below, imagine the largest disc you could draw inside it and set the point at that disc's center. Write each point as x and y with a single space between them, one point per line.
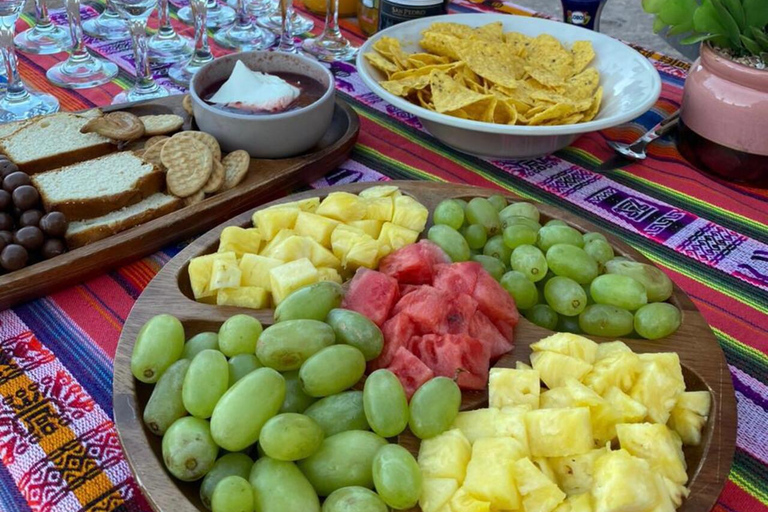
487 75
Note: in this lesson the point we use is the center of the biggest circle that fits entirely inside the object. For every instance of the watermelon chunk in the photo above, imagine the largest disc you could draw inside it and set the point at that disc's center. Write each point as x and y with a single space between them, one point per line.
414 264
482 329
451 354
397 332
495 303
405 289
372 294
457 277
435 311
410 370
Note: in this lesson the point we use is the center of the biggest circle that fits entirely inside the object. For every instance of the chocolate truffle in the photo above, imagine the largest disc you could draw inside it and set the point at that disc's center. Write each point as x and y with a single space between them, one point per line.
13 257
30 237
53 247
14 180
30 218
25 197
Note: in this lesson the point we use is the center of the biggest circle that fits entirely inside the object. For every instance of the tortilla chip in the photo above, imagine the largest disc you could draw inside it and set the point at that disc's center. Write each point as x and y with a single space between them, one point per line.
583 85
557 111
449 95
453 29
379 62
491 32
583 53
572 119
505 112
405 86
425 99
548 62
593 110
424 70
390 48
519 42
426 59
494 62
440 44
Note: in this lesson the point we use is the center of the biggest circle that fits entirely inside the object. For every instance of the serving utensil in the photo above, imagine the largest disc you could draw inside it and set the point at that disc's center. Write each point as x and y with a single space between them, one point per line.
628 153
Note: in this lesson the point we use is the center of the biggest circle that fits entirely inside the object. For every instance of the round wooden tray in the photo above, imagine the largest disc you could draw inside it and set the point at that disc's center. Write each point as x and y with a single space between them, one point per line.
704 366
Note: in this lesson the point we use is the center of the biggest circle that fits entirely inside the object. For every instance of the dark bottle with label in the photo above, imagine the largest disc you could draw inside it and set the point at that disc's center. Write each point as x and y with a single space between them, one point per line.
583 13
392 12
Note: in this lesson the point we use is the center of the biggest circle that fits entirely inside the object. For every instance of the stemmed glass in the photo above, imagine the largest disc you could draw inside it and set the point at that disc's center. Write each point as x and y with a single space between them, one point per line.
218 15
166 45
183 72
45 37
287 44
244 35
331 45
18 102
274 21
81 69
258 8
107 25
136 13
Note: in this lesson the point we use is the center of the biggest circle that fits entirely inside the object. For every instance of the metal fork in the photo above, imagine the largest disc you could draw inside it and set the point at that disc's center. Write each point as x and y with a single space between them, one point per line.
636 150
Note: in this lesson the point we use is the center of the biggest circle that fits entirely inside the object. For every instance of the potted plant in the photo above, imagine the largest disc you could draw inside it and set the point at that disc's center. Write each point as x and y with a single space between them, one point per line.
724 114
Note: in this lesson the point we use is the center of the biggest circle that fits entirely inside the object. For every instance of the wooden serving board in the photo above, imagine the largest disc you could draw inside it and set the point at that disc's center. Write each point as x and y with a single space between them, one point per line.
265 180
704 366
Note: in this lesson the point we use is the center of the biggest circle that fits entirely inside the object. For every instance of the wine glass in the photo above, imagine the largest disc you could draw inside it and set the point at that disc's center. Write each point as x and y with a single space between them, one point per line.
287 43
299 24
331 45
183 72
218 15
107 25
166 45
81 69
258 8
136 13
18 102
45 37
244 35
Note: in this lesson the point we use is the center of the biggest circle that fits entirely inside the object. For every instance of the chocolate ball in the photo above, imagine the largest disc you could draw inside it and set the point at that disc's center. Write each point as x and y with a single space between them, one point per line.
5 200
30 237
13 257
7 167
14 180
30 218
6 221
53 247
3 243
7 237
54 224
25 197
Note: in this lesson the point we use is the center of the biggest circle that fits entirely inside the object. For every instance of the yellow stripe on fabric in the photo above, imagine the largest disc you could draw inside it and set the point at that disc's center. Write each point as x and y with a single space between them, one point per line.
742 347
106 315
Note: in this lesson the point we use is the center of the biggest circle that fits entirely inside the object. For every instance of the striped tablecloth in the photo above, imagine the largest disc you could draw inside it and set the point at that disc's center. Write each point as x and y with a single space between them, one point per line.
58 444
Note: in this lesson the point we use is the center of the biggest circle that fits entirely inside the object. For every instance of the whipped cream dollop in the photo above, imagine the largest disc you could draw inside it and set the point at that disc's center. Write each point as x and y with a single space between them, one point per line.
254 90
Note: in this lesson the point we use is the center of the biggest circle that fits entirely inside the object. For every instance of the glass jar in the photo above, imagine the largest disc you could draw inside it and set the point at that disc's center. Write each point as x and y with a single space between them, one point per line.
368 16
347 8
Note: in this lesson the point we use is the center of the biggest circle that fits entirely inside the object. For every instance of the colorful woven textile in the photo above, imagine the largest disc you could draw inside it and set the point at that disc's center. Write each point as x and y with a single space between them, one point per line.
58 445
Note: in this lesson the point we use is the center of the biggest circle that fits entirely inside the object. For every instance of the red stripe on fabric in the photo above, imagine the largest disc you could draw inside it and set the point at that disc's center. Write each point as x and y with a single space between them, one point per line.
734 498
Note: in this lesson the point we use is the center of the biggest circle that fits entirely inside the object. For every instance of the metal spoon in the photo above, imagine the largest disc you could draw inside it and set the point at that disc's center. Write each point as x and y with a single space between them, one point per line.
628 153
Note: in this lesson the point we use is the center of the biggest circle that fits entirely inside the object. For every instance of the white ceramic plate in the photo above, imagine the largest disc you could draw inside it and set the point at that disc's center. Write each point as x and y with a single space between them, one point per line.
631 85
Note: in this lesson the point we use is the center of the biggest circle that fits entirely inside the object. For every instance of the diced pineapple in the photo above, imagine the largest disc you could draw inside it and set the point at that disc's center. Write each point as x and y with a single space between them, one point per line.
489 473
342 206
409 213
393 237
623 483
256 269
664 503
279 238
306 205
445 456
557 398
580 503
669 361
510 422
539 493
519 365
574 473
371 227
380 191
225 272
291 276
559 432
658 445
436 493
696 401
687 424
272 220
463 501
676 492
343 238
328 274
631 410
611 347
582 395
253 297
477 424
513 387
603 415
657 390
380 208
545 467
292 248
363 253
568 344
618 369
315 226
200 270
240 240
322 257
555 368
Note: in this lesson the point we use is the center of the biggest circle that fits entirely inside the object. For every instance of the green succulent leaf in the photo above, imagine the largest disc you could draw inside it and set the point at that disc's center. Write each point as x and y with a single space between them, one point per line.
697 38
756 13
652 6
680 29
750 45
678 12
658 25
729 24
737 11
760 38
705 19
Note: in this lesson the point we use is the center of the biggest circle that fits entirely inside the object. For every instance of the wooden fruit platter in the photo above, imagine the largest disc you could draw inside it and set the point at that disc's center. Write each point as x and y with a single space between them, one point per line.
265 179
704 365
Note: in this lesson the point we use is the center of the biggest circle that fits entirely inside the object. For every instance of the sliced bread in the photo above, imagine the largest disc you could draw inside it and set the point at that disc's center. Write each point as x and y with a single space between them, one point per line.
84 232
48 142
93 188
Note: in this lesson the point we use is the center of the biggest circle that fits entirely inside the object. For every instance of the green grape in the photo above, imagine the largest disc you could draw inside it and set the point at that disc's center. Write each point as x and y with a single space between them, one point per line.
520 288
605 320
498 201
462 203
159 344
165 405
523 209
343 460
555 222
618 290
332 370
565 296
290 436
397 477
658 286
450 213
205 382
568 324
517 235
385 403
188 449
496 248
543 282
530 261
475 236
433 407
551 235
198 343
244 409
354 329
229 464
279 486
238 335
657 320
296 400
311 302
587 290
354 499
543 316
450 241
593 235
233 494
339 413
286 345
491 265
481 211
241 365
509 219
600 250
571 261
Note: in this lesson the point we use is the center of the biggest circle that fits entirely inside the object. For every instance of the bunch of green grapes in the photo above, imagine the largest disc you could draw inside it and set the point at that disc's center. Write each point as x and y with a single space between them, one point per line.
561 279
274 419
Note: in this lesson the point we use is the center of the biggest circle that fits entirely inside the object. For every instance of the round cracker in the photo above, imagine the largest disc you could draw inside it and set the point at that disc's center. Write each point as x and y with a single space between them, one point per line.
189 165
186 104
152 140
206 138
161 124
194 198
216 180
152 152
236 166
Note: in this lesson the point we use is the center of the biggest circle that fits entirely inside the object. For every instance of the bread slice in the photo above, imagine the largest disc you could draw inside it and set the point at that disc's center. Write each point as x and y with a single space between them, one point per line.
84 232
93 188
52 141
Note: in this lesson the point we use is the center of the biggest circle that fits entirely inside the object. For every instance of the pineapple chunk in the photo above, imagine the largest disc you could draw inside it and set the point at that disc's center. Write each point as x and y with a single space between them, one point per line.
445 456
279 238
292 248
519 365
240 240
322 257
604 416
615 369
225 272
676 492
393 237
489 473
575 473
253 297
687 424
631 410
380 191
463 501
611 347
623 483
256 269
669 361
477 424
656 444
342 206
436 493
363 253
555 368
577 503
272 220
513 387
568 344
291 276
380 208
306 205
539 493
409 213
664 503
657 390
343 238
315 226
510 422
371 227
545 467
328 274
559 432
558 398
200 270
695 401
